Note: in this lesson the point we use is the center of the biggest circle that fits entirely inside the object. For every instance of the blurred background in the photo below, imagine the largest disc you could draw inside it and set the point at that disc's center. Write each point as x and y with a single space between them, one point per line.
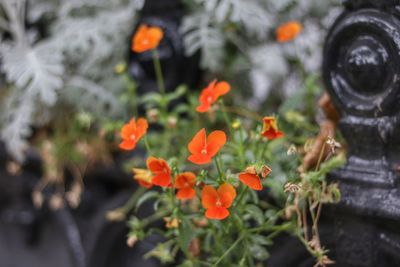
66 77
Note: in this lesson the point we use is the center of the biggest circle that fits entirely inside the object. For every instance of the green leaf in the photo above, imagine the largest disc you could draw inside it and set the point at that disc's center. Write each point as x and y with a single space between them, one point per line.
145 197
332 164
150 98
185 234
271 216
260 253
186 263
181 108
208 242
261 240
256 213
180 91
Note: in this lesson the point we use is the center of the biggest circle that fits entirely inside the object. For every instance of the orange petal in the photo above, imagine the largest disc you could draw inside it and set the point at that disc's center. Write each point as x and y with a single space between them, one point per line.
273 134
199 159
198 143
137 40
146 38
144 184
251 180
215 141
227 194
203 107
288 31
186 179
127 145
217 213
209 197
186 193
162 179
155 34
141 127
222 88
126 131
157 165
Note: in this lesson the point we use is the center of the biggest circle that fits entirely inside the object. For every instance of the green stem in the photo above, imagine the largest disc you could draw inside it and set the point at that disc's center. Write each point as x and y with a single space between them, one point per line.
242 194
241 150
155 217
146 143
226 117
305 243
270 228
133 200
133 94
264 148
229 250
159 75
219 169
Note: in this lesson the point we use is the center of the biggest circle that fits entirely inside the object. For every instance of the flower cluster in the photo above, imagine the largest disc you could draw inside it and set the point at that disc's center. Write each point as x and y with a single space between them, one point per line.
208 171
203 149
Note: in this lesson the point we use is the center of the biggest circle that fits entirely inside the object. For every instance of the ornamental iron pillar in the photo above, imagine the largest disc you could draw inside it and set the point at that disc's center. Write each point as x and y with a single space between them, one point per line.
361 71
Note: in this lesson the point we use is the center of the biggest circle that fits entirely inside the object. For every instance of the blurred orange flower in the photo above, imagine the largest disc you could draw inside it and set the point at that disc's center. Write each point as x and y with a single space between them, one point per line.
204 148
185 183
143 177
270 128
252 180
132 132
288 31
146 38
211 93
161 172
217 202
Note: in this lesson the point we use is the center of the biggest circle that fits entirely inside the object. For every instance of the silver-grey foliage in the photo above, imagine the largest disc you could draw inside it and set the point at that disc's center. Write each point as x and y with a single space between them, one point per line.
85 39
257 20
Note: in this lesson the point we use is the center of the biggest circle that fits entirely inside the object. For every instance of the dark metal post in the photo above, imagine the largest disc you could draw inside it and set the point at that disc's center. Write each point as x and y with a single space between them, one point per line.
362 74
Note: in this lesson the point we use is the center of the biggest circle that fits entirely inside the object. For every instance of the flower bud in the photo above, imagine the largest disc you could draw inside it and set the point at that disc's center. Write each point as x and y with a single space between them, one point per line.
171 122
153 115
131 241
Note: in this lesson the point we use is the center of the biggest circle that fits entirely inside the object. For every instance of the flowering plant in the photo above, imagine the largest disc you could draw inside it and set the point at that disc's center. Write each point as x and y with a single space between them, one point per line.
214 174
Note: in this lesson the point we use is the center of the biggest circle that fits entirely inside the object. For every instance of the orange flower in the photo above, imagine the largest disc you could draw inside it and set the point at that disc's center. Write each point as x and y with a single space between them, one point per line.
185 182
143 177
146 38
160 170
211 93
250 178
288 31
217 202
270 128
204 148
132 132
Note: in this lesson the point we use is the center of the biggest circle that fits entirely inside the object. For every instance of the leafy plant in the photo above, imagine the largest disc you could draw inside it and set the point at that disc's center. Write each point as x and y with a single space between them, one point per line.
54 69
224 180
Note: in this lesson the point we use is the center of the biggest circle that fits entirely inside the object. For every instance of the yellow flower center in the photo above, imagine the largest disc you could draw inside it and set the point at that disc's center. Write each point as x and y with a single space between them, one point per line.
218 203
204 151
133 137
